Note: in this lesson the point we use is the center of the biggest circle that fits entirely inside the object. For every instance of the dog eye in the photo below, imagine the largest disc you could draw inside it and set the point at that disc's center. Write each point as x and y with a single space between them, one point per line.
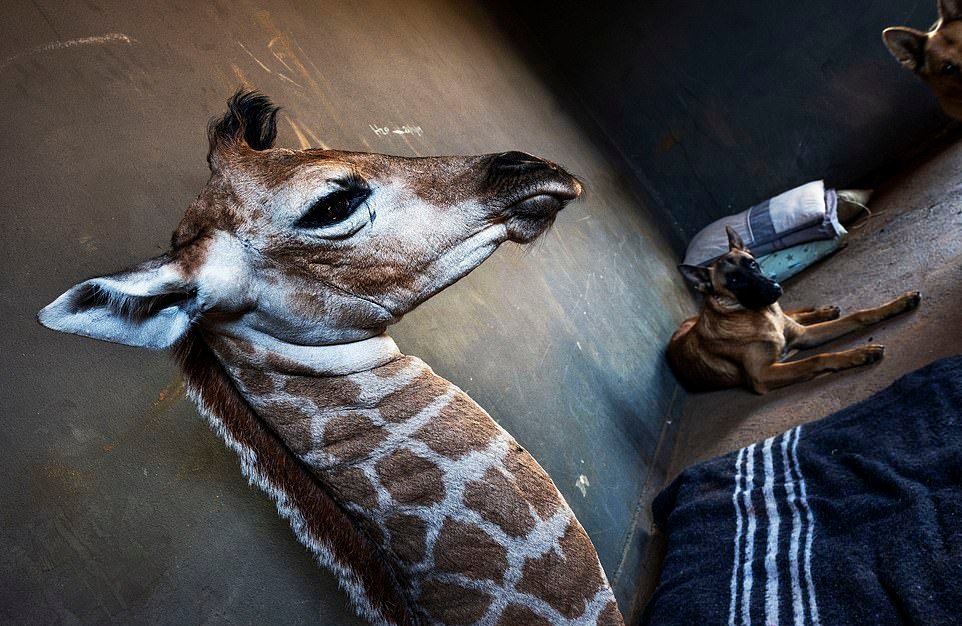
334 207
948 69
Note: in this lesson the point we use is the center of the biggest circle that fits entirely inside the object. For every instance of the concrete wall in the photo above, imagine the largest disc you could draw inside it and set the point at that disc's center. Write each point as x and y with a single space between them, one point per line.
119 505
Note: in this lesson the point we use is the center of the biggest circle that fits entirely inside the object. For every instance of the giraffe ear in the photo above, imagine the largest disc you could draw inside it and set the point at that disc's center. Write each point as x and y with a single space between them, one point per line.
148 306
250 121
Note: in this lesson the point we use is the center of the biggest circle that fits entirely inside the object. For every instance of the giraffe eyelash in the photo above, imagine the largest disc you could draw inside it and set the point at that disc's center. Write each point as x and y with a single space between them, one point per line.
334 207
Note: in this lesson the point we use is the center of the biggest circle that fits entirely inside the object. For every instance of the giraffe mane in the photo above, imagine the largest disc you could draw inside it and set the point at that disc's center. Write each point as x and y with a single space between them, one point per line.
251 117
317 520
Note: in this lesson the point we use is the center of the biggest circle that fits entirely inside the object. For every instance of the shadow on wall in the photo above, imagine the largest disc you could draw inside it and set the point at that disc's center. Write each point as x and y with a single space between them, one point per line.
715 110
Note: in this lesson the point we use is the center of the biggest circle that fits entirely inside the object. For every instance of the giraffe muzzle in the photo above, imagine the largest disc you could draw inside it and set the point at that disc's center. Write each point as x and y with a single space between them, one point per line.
540 190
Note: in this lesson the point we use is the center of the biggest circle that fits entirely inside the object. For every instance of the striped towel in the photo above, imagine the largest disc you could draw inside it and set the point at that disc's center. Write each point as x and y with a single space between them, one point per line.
855 519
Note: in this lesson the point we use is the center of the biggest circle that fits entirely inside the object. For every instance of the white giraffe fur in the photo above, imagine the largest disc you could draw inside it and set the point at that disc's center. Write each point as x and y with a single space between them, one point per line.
325 360
347 579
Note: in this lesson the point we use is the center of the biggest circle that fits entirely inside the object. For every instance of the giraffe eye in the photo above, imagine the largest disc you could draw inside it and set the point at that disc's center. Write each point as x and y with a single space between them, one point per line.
334 207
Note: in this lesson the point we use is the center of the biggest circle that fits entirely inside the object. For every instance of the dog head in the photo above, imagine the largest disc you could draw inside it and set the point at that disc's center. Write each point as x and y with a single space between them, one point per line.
935 56
734 278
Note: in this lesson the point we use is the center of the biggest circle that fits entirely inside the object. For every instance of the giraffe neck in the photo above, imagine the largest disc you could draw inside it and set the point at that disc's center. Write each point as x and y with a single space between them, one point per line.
317 520
271 353
473 526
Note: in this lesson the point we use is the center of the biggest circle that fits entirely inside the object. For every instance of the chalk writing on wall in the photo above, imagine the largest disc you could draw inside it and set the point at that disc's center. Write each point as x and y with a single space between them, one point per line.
384 131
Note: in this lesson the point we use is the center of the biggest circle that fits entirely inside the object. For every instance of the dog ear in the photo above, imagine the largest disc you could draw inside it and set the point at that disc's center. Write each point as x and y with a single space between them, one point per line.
907 45
950 10
698 276
735 240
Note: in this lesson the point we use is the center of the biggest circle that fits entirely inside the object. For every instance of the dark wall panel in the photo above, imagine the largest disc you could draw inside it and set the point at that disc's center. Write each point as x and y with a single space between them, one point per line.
716 106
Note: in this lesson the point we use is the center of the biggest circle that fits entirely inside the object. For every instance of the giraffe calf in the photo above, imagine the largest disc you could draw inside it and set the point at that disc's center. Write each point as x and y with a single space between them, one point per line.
276 295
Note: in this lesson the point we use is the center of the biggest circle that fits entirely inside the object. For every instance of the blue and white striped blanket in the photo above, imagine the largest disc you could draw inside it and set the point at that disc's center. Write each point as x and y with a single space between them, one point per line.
855 519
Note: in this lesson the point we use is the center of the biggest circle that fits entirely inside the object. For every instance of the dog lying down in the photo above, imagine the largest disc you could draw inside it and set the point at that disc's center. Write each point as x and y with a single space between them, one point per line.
741 334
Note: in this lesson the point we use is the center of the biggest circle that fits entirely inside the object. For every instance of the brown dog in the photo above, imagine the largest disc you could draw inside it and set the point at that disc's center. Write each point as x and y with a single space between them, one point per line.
741 333
935 56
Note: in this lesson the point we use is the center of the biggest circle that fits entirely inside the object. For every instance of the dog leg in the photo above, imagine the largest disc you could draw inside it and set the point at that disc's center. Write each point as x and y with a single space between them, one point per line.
782 374
814 316
817 334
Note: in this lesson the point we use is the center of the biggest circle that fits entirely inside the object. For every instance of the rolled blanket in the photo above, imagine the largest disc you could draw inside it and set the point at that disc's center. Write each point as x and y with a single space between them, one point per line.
798 216
855 519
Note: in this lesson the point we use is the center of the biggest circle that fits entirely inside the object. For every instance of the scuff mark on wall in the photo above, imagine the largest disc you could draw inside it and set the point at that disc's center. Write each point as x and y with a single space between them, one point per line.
316 139
242 77
279 57
280 75
582 484
88 243
97 40
305 144
281 45
256 60
174 390
303 132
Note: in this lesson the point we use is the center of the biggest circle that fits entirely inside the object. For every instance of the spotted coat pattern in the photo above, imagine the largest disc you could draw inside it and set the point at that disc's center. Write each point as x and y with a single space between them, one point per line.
474 528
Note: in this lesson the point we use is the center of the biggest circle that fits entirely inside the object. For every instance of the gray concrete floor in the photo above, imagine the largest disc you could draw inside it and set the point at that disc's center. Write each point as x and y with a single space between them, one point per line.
912 242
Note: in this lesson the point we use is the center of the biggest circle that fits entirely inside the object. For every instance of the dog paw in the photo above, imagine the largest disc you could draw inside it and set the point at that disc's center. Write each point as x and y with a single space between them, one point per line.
911 300
828 312
872 354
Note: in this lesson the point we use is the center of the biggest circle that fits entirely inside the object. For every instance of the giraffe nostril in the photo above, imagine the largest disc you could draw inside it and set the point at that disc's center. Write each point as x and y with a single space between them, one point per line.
516 162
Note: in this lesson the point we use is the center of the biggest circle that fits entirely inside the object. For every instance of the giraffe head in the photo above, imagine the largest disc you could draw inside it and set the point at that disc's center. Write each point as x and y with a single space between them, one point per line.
315 247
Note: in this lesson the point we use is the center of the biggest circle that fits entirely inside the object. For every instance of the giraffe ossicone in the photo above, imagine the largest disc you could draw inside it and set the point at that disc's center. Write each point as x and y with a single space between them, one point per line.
275 297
